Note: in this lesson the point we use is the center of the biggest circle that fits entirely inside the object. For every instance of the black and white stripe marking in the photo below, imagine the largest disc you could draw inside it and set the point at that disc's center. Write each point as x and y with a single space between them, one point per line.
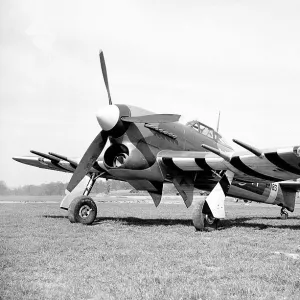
274 166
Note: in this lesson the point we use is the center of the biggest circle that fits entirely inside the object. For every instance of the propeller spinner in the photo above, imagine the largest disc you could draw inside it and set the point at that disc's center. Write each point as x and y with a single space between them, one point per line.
108 117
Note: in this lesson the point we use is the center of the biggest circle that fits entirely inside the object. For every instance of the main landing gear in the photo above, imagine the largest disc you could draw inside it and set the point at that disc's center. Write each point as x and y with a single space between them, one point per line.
83 209
202 217
284 214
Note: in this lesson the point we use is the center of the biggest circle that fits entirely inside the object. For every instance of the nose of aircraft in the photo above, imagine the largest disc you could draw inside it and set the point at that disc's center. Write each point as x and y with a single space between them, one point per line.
108 117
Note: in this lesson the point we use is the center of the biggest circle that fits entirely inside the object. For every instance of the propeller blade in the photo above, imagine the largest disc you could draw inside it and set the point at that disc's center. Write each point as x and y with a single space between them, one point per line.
104 73
88 159
155 118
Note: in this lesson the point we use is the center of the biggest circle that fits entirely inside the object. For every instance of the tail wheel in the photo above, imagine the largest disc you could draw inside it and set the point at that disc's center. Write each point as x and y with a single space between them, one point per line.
82 210
284 214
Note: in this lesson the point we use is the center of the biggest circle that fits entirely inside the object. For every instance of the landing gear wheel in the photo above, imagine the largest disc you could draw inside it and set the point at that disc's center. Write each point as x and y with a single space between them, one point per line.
82 210
202 221
197 215
210 222
284 214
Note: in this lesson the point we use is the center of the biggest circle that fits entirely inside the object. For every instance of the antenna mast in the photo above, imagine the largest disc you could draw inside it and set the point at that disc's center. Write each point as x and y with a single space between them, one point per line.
218 125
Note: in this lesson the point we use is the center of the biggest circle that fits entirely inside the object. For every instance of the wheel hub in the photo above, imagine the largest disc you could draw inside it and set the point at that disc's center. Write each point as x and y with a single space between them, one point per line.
84 211
210 219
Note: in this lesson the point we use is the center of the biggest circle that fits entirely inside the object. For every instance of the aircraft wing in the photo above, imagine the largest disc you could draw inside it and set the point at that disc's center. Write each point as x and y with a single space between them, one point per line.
57 163
270 165
44 163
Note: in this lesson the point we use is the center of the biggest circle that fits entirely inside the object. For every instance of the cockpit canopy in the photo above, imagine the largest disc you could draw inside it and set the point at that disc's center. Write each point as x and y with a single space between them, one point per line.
208 131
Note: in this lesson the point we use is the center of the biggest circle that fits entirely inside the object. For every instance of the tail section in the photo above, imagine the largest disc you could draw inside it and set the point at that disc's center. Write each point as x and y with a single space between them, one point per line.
289 193
283 194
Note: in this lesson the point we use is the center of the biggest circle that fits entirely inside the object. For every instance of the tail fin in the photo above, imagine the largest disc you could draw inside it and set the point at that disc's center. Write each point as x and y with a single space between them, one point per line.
289 191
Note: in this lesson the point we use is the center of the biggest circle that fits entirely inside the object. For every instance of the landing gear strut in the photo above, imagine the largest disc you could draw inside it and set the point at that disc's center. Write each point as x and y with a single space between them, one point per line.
284 214
83 209
202 218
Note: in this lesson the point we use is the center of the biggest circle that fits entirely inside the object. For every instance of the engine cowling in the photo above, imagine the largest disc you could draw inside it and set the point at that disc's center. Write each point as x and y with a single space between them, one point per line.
124 156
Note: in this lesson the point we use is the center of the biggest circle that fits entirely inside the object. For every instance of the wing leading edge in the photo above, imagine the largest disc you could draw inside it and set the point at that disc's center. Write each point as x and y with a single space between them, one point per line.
56 162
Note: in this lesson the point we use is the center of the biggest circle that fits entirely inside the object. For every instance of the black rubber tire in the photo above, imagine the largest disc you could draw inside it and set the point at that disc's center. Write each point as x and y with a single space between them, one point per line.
78 204
202 221
284 216
197 215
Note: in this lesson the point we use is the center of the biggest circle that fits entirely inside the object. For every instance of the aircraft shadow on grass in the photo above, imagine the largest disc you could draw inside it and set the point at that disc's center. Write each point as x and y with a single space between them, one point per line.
225 224
243 222
54 217
133 221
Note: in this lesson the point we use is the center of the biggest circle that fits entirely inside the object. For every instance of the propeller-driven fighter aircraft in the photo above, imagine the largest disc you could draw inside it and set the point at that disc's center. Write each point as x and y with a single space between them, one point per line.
148 150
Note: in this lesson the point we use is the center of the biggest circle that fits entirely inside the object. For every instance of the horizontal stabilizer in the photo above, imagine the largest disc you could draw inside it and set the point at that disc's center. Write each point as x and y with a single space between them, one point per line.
291 185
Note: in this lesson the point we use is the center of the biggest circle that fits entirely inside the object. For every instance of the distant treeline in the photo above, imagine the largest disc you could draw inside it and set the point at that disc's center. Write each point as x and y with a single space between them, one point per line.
58 188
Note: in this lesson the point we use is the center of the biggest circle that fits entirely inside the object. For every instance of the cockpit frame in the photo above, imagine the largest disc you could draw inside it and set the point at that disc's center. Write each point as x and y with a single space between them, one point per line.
207 131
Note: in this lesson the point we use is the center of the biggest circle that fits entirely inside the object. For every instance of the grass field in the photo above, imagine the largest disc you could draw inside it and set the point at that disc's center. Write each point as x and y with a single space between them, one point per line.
137 251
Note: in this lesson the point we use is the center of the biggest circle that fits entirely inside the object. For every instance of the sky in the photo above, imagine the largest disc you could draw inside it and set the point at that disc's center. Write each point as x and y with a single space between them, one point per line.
190 57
